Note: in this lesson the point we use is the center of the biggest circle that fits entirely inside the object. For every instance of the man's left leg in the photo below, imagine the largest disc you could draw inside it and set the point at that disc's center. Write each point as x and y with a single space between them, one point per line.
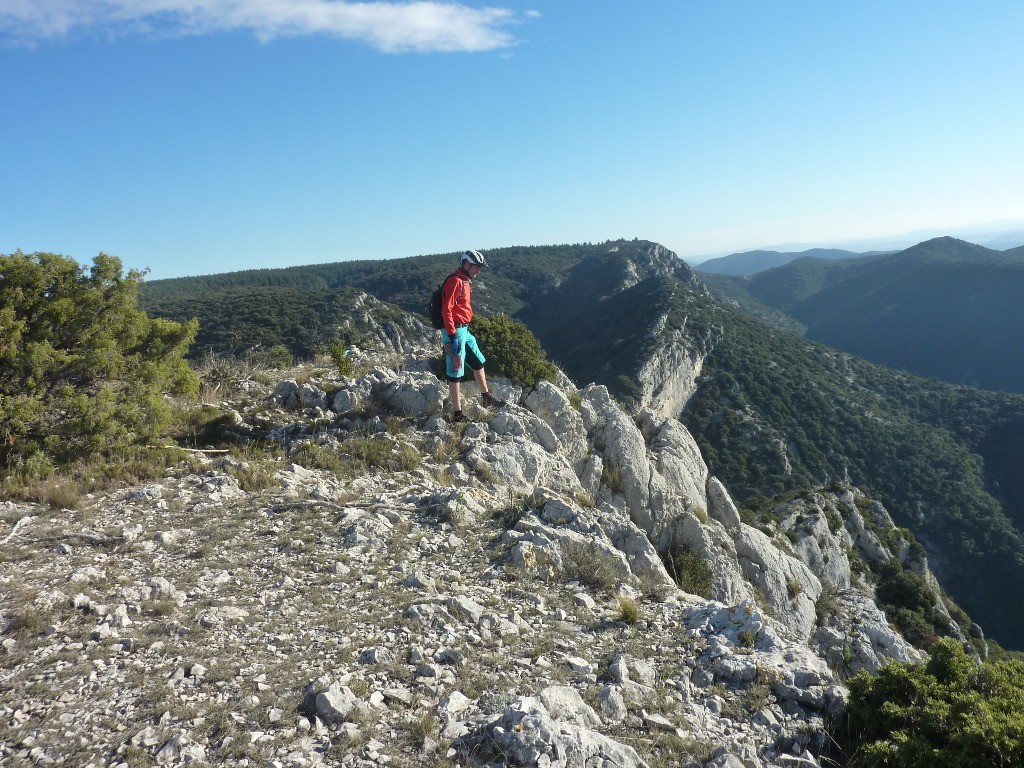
486 398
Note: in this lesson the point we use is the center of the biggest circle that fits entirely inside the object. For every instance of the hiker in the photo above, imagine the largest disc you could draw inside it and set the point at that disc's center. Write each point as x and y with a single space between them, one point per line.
459 343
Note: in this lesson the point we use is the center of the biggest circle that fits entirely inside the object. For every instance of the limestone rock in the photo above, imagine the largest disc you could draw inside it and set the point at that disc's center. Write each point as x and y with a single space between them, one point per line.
528 735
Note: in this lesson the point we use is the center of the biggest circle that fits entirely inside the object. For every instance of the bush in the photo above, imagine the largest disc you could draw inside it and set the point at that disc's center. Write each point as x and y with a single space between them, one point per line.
83 371
910 603
587 563
949 713
277 356
512 350
689 570
342 361
628 610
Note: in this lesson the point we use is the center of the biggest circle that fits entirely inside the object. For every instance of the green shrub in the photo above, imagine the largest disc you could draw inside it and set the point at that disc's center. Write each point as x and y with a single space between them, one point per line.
910 603
342 361
590 565
948 713
508 517
689 570
83 371
512 350
277 356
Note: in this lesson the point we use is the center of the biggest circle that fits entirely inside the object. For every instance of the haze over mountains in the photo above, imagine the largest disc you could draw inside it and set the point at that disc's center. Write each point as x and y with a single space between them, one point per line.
772 413
945 308
997 235
751 262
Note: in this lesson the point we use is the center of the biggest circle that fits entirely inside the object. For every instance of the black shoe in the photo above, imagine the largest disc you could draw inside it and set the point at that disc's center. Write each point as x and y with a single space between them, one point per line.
491 402
458 416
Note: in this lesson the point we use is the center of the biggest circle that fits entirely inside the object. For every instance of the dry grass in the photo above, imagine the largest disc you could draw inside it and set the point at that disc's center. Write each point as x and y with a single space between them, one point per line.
590 565
628 610
28 621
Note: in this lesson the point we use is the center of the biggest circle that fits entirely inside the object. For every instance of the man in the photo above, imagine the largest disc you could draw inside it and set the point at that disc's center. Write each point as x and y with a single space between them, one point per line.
459 343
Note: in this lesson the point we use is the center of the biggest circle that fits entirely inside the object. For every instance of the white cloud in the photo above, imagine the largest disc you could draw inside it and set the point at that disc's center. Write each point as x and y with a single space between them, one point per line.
389 26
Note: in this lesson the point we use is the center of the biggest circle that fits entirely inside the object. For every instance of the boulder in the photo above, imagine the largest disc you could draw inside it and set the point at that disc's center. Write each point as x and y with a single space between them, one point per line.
527 734
554 408
789 586
418 395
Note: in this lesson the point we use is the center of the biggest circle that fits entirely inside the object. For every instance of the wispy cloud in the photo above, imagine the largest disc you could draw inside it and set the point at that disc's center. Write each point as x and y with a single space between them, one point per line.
388 26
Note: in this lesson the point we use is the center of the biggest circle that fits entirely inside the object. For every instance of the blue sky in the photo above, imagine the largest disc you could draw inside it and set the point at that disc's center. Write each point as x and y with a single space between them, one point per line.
199 136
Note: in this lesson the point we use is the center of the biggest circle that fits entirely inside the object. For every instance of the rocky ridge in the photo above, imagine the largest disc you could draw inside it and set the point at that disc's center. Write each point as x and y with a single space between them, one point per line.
381 587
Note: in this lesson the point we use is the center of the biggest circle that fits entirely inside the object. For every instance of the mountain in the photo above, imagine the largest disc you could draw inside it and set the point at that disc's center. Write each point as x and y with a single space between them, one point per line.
944 308
772 413
751 262
1005 241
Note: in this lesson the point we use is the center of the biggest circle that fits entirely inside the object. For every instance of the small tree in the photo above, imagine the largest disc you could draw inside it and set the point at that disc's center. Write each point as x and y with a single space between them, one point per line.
951 712
512 350
82 369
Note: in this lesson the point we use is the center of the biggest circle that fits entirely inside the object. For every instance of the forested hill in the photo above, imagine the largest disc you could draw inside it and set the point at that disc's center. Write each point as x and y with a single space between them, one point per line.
775 413
943 308
298 306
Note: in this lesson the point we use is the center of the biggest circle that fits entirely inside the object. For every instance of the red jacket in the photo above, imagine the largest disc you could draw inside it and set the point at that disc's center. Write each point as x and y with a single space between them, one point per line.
456 306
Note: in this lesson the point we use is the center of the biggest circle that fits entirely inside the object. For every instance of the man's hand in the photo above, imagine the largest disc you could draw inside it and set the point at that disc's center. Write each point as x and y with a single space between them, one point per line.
455 350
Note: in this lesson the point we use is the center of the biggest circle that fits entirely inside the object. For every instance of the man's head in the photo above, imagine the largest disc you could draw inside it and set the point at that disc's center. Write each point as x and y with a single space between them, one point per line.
473 262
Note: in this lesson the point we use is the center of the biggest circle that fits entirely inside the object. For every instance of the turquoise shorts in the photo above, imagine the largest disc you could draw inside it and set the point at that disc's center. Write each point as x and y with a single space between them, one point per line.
471 354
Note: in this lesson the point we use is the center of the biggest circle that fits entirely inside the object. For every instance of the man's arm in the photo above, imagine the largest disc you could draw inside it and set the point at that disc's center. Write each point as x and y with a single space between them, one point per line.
449 295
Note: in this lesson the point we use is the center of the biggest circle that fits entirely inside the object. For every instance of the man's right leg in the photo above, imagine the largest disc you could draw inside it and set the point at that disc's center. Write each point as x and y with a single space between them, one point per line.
455 395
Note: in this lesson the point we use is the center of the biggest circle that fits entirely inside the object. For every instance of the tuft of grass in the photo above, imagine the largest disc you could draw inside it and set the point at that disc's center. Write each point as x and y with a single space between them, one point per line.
28 621
663 750
585 500
60 494
612 477
508 517
747 702
64 488
628 610
409 458
255 477
420 728
159 608
590 565
793 588
313 456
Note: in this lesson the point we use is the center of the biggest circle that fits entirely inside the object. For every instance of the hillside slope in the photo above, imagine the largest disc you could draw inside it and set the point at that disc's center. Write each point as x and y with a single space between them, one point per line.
944 308
300 307
774 413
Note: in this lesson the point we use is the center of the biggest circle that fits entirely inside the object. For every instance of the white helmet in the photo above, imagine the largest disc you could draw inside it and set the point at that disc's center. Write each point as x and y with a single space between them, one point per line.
474 257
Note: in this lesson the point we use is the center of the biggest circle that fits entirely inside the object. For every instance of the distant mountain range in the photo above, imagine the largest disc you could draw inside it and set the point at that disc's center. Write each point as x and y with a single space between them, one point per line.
752 262
1008 235
944 308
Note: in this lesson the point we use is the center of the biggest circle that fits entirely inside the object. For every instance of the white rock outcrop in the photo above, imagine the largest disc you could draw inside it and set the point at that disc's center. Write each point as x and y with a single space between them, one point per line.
503 595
